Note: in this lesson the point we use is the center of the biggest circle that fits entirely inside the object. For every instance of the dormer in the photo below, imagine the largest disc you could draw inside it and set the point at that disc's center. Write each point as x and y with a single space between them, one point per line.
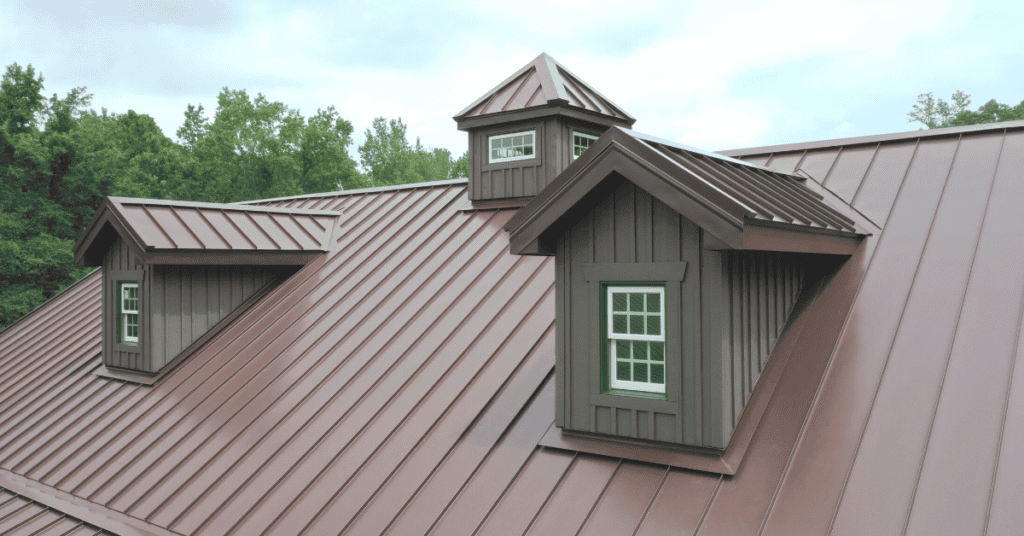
175 273
529 128
677 270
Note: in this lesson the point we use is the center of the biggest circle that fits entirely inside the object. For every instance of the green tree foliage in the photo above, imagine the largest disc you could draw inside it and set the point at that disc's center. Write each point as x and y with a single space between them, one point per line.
388 158
937 113
255 148
59 159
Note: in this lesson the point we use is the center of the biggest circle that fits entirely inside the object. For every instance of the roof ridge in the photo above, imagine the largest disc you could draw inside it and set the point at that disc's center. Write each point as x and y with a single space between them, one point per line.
874 138
373 189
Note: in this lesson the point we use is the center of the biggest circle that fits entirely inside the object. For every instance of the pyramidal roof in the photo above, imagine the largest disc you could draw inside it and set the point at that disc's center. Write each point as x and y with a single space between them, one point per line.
542 82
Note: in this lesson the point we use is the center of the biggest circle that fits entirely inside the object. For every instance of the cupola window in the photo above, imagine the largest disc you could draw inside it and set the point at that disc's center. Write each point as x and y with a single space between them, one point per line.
509 147
581 142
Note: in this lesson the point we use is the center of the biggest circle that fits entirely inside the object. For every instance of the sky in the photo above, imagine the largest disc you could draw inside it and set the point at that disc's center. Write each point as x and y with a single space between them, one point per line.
712 75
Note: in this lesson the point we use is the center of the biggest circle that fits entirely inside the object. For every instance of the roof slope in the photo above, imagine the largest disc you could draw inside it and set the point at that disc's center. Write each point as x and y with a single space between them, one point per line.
179 232
542 82
21 515
400 383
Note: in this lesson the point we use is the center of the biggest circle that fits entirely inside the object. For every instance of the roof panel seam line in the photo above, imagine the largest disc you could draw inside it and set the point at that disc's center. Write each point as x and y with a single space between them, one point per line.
332 349
174 212
582 94
558 484
892 343
828 368
212 226
831 168
1009 379
504 491
280 227
145 210
1002 423
956 330
698 177
359 433
515 93
707 506
871 164
597 501
650 503
239 229
260 229
302 334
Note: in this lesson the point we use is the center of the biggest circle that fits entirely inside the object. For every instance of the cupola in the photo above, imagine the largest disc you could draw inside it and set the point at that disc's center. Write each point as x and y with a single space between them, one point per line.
175 273
529 128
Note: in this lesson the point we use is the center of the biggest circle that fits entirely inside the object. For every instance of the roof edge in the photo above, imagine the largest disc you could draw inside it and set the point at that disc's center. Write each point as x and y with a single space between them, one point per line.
370 190
875 138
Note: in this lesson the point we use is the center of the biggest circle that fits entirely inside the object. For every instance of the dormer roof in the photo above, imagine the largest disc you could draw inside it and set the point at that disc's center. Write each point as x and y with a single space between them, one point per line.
744 205
544 87
181 232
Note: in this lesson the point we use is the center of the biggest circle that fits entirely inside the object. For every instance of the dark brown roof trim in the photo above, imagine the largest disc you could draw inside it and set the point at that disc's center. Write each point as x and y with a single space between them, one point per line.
878 138
545 110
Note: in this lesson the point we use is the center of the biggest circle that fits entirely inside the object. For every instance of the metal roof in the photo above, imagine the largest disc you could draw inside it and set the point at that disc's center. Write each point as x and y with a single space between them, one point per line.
542 82
194 233
721 194
21 515
400 383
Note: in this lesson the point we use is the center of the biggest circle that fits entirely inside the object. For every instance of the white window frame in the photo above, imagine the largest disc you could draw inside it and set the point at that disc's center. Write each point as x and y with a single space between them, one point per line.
583 135
612 337
533 147
127 313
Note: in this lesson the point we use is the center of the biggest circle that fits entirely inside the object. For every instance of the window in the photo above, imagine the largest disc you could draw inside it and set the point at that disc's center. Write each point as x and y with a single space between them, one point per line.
129 313
635 337
581 142
509 147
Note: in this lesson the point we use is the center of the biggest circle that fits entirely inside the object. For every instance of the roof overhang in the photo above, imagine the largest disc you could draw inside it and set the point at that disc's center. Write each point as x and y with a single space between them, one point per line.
301 235
699 192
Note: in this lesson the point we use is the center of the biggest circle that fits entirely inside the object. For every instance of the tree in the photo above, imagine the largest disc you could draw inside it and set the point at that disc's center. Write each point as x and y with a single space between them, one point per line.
939 113
388 157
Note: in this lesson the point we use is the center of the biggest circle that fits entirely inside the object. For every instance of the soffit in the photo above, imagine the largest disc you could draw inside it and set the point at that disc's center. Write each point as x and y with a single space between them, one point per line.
176 232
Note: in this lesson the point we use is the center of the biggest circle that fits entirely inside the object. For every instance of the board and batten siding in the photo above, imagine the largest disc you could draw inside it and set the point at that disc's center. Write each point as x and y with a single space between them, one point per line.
740 299
505 181
178 304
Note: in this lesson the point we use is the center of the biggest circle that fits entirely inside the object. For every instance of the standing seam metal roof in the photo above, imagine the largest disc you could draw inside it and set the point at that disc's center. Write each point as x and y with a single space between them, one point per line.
400 383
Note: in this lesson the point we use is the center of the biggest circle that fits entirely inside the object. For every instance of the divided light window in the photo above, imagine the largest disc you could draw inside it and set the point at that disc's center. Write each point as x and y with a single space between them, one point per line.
581 142
635 338
129 313
509 147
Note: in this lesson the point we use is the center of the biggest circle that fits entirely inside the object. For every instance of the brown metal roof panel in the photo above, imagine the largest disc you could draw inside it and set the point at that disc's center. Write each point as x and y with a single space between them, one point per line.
170 226
876 332
624 502
526 494
569 505
151 229
362 431
878 189
848 172
679 505
251 230
525 93
953 490
206 233
785 163
21 515
817 164
228 231
1006 516
498 101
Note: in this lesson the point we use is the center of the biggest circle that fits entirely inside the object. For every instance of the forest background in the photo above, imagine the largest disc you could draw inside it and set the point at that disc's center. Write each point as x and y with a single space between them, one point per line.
59 158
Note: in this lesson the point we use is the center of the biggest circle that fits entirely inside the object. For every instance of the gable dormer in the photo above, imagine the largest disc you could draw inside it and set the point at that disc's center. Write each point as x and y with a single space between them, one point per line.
529 128
676 273
174 272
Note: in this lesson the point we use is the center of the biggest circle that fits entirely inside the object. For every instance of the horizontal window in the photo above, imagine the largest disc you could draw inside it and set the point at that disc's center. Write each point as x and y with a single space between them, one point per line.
509 147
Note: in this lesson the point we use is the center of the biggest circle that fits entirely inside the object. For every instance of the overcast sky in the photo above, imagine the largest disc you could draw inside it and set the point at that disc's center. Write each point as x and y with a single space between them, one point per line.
746 74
